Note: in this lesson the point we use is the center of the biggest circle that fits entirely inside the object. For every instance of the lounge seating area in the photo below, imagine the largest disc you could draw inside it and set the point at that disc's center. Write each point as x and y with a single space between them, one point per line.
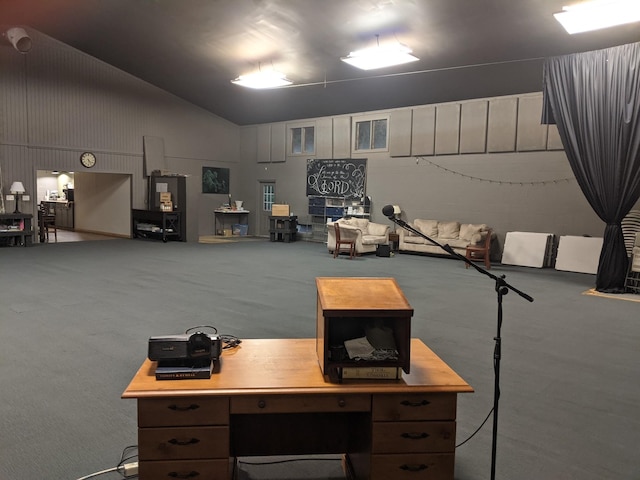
366 235
459 236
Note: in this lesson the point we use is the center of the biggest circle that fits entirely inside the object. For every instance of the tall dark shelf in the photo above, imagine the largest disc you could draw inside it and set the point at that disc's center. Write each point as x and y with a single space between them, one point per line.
177 186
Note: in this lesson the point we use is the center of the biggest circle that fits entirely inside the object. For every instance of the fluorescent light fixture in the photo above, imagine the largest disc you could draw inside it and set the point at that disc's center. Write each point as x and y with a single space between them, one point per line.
380 56
598 14
263 79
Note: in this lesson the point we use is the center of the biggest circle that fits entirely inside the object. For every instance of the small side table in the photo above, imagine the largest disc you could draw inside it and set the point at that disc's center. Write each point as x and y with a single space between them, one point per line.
283 228
394 240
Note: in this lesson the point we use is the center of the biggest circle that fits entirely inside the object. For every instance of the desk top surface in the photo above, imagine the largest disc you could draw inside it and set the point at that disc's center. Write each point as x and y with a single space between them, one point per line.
230 212
290 367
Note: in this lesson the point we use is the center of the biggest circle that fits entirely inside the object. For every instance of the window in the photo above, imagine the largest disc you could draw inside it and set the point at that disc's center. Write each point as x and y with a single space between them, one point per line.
302 140
371 134
268 196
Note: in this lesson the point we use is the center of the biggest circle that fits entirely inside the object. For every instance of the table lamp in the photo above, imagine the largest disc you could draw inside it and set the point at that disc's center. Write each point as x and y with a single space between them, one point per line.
17 189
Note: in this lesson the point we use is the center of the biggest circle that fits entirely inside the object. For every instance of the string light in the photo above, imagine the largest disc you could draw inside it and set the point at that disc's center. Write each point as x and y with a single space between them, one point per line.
499 182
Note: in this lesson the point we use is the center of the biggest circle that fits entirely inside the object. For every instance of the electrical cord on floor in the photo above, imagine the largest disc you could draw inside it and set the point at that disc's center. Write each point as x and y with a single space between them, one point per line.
477 429
125 467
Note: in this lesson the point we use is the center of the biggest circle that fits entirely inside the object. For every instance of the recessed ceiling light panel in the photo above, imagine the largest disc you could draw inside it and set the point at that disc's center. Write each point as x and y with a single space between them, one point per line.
380 56
263 79
598 14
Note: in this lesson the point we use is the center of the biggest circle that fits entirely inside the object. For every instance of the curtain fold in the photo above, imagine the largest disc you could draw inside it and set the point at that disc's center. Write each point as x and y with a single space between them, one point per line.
594 99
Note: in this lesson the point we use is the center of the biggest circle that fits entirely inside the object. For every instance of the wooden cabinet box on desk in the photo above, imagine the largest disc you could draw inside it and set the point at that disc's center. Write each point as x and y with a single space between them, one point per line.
351 308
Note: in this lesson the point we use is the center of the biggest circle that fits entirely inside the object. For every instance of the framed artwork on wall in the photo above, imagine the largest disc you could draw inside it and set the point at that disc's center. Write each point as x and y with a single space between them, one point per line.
215 180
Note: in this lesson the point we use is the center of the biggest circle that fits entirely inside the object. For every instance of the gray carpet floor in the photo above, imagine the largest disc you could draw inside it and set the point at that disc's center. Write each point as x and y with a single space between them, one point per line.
75 319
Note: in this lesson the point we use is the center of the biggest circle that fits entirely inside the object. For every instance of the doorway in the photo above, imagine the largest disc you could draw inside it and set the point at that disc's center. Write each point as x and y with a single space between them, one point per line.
266 197
88 206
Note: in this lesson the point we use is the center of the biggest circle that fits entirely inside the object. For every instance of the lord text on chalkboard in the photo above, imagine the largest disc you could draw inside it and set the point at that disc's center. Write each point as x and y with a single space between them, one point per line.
337 178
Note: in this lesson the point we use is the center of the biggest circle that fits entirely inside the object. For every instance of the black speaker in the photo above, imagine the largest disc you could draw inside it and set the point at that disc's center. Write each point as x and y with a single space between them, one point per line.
383 251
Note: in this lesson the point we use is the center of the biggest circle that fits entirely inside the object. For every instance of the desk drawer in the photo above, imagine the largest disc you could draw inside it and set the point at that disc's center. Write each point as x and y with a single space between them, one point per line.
415 466
300 403
413 437
391 408
183 411
196 469
183 443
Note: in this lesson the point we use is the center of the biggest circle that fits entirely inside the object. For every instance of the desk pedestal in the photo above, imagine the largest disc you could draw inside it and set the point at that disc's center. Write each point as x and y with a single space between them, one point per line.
270 398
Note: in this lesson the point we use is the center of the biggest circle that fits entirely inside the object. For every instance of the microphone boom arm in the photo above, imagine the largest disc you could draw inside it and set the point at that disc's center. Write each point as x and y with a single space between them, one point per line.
447 248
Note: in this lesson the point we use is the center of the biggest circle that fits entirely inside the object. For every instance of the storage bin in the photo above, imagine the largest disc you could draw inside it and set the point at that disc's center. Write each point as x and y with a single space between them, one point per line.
240 229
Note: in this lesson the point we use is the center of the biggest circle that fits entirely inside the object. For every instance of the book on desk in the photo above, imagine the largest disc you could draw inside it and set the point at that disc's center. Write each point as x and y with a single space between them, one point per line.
178 370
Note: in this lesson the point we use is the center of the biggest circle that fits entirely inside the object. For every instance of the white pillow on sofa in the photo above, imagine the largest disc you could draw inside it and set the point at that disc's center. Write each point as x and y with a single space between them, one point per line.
428 227
448 230
472 232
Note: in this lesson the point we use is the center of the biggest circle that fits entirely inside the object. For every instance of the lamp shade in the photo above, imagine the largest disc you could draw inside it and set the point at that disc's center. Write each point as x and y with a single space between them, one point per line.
17 187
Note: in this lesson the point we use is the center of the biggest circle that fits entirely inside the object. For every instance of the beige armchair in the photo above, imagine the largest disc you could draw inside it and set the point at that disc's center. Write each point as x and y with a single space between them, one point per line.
368 235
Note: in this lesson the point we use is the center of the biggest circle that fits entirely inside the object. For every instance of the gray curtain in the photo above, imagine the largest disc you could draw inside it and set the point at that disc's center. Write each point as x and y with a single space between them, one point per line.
594 99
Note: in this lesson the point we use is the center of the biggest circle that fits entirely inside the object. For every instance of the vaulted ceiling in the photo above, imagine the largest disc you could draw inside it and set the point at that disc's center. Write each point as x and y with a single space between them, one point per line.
193 48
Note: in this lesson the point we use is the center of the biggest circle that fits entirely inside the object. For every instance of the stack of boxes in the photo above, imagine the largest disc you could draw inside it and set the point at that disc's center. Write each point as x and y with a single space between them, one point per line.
166 204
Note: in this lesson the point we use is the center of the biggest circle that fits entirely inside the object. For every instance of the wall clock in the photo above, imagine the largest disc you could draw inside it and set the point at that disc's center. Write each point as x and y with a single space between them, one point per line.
88 159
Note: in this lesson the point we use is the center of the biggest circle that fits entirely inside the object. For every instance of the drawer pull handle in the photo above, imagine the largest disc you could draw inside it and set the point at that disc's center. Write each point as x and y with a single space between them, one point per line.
415 435
407 403
342 402
191 441
178 408
262 404
414 467
183 475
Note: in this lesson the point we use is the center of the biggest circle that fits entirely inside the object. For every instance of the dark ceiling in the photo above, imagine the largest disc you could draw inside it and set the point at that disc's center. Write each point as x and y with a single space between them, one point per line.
193 48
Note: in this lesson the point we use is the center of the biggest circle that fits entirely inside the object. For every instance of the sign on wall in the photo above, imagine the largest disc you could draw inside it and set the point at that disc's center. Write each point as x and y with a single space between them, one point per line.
337 177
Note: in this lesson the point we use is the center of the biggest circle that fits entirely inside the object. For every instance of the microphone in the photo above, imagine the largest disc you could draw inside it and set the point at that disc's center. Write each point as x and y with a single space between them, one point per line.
387 211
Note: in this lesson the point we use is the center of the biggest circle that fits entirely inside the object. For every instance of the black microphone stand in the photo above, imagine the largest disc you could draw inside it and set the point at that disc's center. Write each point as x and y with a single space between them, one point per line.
502 288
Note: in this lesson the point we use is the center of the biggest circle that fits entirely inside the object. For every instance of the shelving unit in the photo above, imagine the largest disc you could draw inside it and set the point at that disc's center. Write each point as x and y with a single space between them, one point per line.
164 226
16 229
323 209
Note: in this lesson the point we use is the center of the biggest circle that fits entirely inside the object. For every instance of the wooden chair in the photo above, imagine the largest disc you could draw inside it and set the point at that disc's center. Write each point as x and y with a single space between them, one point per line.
480 252
342 242
46 221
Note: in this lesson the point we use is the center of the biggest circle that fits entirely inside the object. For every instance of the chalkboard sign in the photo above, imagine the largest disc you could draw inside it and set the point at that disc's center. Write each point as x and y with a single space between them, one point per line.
337 178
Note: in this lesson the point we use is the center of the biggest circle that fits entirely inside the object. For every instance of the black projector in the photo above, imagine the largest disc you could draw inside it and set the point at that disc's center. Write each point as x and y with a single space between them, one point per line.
187 347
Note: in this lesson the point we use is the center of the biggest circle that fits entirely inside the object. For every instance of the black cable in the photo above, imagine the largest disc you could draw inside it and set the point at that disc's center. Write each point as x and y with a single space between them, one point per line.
230 341
215 330
477 429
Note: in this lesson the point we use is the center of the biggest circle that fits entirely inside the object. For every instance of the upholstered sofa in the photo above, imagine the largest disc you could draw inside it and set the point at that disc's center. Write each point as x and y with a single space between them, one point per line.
368 235
457 235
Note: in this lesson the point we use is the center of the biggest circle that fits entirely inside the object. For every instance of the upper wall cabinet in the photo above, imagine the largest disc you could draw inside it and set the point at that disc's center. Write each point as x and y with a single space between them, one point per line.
532 135
400 133
423 131
503 118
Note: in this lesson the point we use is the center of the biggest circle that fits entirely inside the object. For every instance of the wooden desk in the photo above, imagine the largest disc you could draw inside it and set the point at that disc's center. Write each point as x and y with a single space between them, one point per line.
221 215
270 398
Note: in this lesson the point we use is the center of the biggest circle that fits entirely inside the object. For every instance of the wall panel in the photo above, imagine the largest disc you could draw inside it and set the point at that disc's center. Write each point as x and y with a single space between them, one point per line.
447 129
503 118
473 127
531 135
423 131
400 133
